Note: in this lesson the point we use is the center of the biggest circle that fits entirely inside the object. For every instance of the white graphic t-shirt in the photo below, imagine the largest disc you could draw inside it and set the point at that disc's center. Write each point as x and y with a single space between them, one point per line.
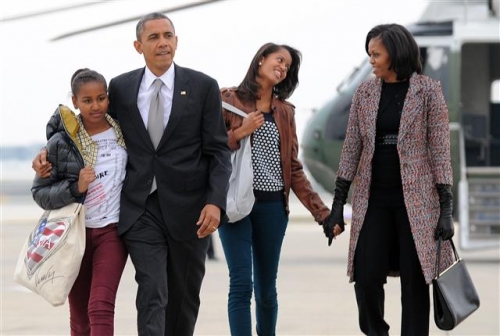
102 204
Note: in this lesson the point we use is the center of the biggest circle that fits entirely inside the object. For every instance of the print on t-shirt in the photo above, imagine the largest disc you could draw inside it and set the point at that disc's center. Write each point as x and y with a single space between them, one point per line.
102 203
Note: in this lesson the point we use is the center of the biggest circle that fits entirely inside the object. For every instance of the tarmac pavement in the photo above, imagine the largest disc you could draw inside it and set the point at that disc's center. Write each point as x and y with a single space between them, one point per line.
315 297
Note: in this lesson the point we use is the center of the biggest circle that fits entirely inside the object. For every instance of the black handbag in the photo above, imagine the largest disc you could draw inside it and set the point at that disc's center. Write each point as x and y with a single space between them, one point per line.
454 294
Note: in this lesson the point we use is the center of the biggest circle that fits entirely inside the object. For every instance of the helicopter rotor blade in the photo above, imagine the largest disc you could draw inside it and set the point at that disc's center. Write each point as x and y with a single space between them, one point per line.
130 19
50 11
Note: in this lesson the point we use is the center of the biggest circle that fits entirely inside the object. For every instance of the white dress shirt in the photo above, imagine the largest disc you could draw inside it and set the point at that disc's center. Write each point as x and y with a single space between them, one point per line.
146 90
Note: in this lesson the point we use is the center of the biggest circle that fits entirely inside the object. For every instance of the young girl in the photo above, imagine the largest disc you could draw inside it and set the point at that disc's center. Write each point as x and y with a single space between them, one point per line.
88 158
252 246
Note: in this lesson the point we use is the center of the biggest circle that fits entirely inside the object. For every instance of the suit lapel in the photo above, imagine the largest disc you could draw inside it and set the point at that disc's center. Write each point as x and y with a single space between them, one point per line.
179 99
132 92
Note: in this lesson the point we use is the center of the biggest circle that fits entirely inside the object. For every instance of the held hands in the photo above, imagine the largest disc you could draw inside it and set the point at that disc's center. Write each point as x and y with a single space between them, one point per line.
334 224
87 176
40 164
208 221
445 227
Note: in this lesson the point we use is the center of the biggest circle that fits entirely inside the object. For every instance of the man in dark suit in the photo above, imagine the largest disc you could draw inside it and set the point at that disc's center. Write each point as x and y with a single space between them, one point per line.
165 230
174 193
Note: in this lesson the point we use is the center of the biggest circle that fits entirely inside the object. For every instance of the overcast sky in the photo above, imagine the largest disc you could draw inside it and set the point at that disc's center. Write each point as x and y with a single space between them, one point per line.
219 39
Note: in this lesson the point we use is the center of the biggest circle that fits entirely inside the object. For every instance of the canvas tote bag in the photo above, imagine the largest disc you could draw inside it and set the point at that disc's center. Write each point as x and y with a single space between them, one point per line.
454 294
240 197
51 256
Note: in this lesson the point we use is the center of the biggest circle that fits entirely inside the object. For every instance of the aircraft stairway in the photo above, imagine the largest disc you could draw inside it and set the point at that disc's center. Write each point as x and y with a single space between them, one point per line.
479 208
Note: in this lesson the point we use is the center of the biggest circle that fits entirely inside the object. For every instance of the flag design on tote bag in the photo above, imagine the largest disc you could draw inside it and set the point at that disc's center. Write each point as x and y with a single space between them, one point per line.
44 240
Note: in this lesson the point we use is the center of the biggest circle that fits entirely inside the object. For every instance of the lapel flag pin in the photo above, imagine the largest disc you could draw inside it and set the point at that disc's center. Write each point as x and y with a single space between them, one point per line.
183 93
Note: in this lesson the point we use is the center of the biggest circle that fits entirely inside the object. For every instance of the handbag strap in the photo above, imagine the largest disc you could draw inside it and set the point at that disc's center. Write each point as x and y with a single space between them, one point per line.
438 259
233 109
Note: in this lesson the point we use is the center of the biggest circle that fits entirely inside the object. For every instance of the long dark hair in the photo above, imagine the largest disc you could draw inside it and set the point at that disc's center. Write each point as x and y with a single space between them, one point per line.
248 88
401 46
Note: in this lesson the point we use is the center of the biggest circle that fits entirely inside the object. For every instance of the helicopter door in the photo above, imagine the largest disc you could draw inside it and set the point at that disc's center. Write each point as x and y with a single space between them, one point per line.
480 119
495 125
480 113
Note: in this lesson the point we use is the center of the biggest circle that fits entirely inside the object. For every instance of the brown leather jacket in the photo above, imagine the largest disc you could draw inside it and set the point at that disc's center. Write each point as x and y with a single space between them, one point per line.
293 173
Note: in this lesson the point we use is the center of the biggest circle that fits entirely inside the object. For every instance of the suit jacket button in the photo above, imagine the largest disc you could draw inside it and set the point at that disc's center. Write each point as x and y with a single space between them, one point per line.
149 182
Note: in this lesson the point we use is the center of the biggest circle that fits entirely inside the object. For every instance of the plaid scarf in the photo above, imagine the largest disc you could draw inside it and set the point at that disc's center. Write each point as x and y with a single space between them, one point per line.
88 147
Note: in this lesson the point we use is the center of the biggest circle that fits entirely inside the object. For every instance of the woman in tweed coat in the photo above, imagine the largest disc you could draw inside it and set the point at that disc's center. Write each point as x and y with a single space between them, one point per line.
397 153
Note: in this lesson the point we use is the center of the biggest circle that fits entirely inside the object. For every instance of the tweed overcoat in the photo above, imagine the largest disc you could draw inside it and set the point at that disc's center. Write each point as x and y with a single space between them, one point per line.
424 152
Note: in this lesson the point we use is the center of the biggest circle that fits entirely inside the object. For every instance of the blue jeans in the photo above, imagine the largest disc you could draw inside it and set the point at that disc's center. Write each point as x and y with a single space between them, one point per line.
254 242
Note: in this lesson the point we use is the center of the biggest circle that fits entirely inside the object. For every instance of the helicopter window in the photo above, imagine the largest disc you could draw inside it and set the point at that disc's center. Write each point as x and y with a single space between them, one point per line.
495 92
337 120
435 64
339 107
357 75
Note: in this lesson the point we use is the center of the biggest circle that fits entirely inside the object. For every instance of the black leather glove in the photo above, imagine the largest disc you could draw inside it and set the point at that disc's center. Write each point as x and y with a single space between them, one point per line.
337 213
445 228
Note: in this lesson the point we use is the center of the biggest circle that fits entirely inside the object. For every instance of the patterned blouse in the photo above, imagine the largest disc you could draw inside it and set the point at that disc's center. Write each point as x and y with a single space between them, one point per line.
268 175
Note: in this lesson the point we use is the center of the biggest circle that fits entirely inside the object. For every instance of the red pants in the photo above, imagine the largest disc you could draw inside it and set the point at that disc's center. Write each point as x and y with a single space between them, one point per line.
92 298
